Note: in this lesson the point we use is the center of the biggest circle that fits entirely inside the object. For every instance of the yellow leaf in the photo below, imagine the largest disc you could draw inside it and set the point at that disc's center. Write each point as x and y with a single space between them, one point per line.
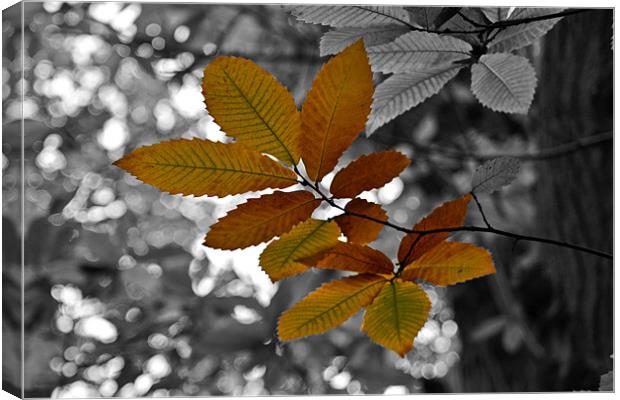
397 314
352 257
329 306
368 172
261 219
358 229
202 167
450 214
279 259
253 107
449 263
336 109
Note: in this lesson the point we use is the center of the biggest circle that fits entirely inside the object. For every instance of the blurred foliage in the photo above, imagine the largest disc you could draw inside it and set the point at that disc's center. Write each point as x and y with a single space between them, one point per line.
121 297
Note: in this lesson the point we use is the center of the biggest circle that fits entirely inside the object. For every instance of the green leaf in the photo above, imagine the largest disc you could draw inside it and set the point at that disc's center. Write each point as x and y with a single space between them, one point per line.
449 263
518 36
202 167
396 316
504 82
401 92
335 41
350 16
494 174
418 52
329 306
253 107
280 258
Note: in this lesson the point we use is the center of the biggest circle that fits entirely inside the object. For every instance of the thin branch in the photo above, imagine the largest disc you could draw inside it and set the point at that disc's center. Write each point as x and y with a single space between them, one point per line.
519 237
492 36
507 23
497 25
470 21
544 154
482 229
484 217
404 262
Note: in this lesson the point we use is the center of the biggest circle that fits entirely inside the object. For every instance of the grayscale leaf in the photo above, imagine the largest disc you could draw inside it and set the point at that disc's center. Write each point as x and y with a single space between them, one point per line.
401 92
335 41
504 82
495 173
518 36
418 51
460 24
424 17
445 15
350 16
495 14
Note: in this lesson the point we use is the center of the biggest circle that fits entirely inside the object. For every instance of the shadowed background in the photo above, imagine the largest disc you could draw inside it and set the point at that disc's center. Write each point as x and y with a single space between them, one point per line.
122 299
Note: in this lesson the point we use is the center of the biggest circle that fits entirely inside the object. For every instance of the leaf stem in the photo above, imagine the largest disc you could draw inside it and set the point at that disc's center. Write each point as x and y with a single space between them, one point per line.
484 217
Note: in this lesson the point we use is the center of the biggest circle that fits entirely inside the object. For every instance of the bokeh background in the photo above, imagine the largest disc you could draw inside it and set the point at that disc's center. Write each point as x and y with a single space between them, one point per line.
121 298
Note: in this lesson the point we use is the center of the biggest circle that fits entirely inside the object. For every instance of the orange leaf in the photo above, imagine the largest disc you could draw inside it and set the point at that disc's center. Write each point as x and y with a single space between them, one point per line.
368 172
280 258
361 230
253 107
449 263
397 314
261 219
352 257
336 109
329 306
450 214
202 167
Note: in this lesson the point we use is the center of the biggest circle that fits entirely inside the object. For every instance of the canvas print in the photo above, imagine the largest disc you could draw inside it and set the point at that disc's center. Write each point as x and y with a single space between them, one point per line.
233 199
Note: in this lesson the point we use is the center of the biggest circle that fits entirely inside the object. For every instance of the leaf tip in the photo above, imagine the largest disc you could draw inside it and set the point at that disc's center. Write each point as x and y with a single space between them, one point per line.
128 162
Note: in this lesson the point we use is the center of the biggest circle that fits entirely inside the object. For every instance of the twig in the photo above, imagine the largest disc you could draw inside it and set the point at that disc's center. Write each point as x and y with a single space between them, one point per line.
482 229
519 237
404 262
470 21
507 23
544 154
484 217
496 25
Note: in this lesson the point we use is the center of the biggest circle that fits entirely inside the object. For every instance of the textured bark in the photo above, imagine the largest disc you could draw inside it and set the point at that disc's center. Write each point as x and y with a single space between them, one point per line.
574 197
557 310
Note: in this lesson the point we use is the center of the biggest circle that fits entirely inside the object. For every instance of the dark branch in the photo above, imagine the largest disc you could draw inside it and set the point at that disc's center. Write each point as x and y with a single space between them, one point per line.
507 23
487 229
496 25
484 217
544 154
521 237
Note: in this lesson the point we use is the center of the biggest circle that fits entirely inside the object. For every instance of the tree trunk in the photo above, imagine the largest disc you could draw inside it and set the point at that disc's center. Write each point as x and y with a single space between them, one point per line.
574 198
550 325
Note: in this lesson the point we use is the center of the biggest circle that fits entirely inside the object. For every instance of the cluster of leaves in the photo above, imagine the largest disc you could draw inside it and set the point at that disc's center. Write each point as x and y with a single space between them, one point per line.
256 110
425 47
